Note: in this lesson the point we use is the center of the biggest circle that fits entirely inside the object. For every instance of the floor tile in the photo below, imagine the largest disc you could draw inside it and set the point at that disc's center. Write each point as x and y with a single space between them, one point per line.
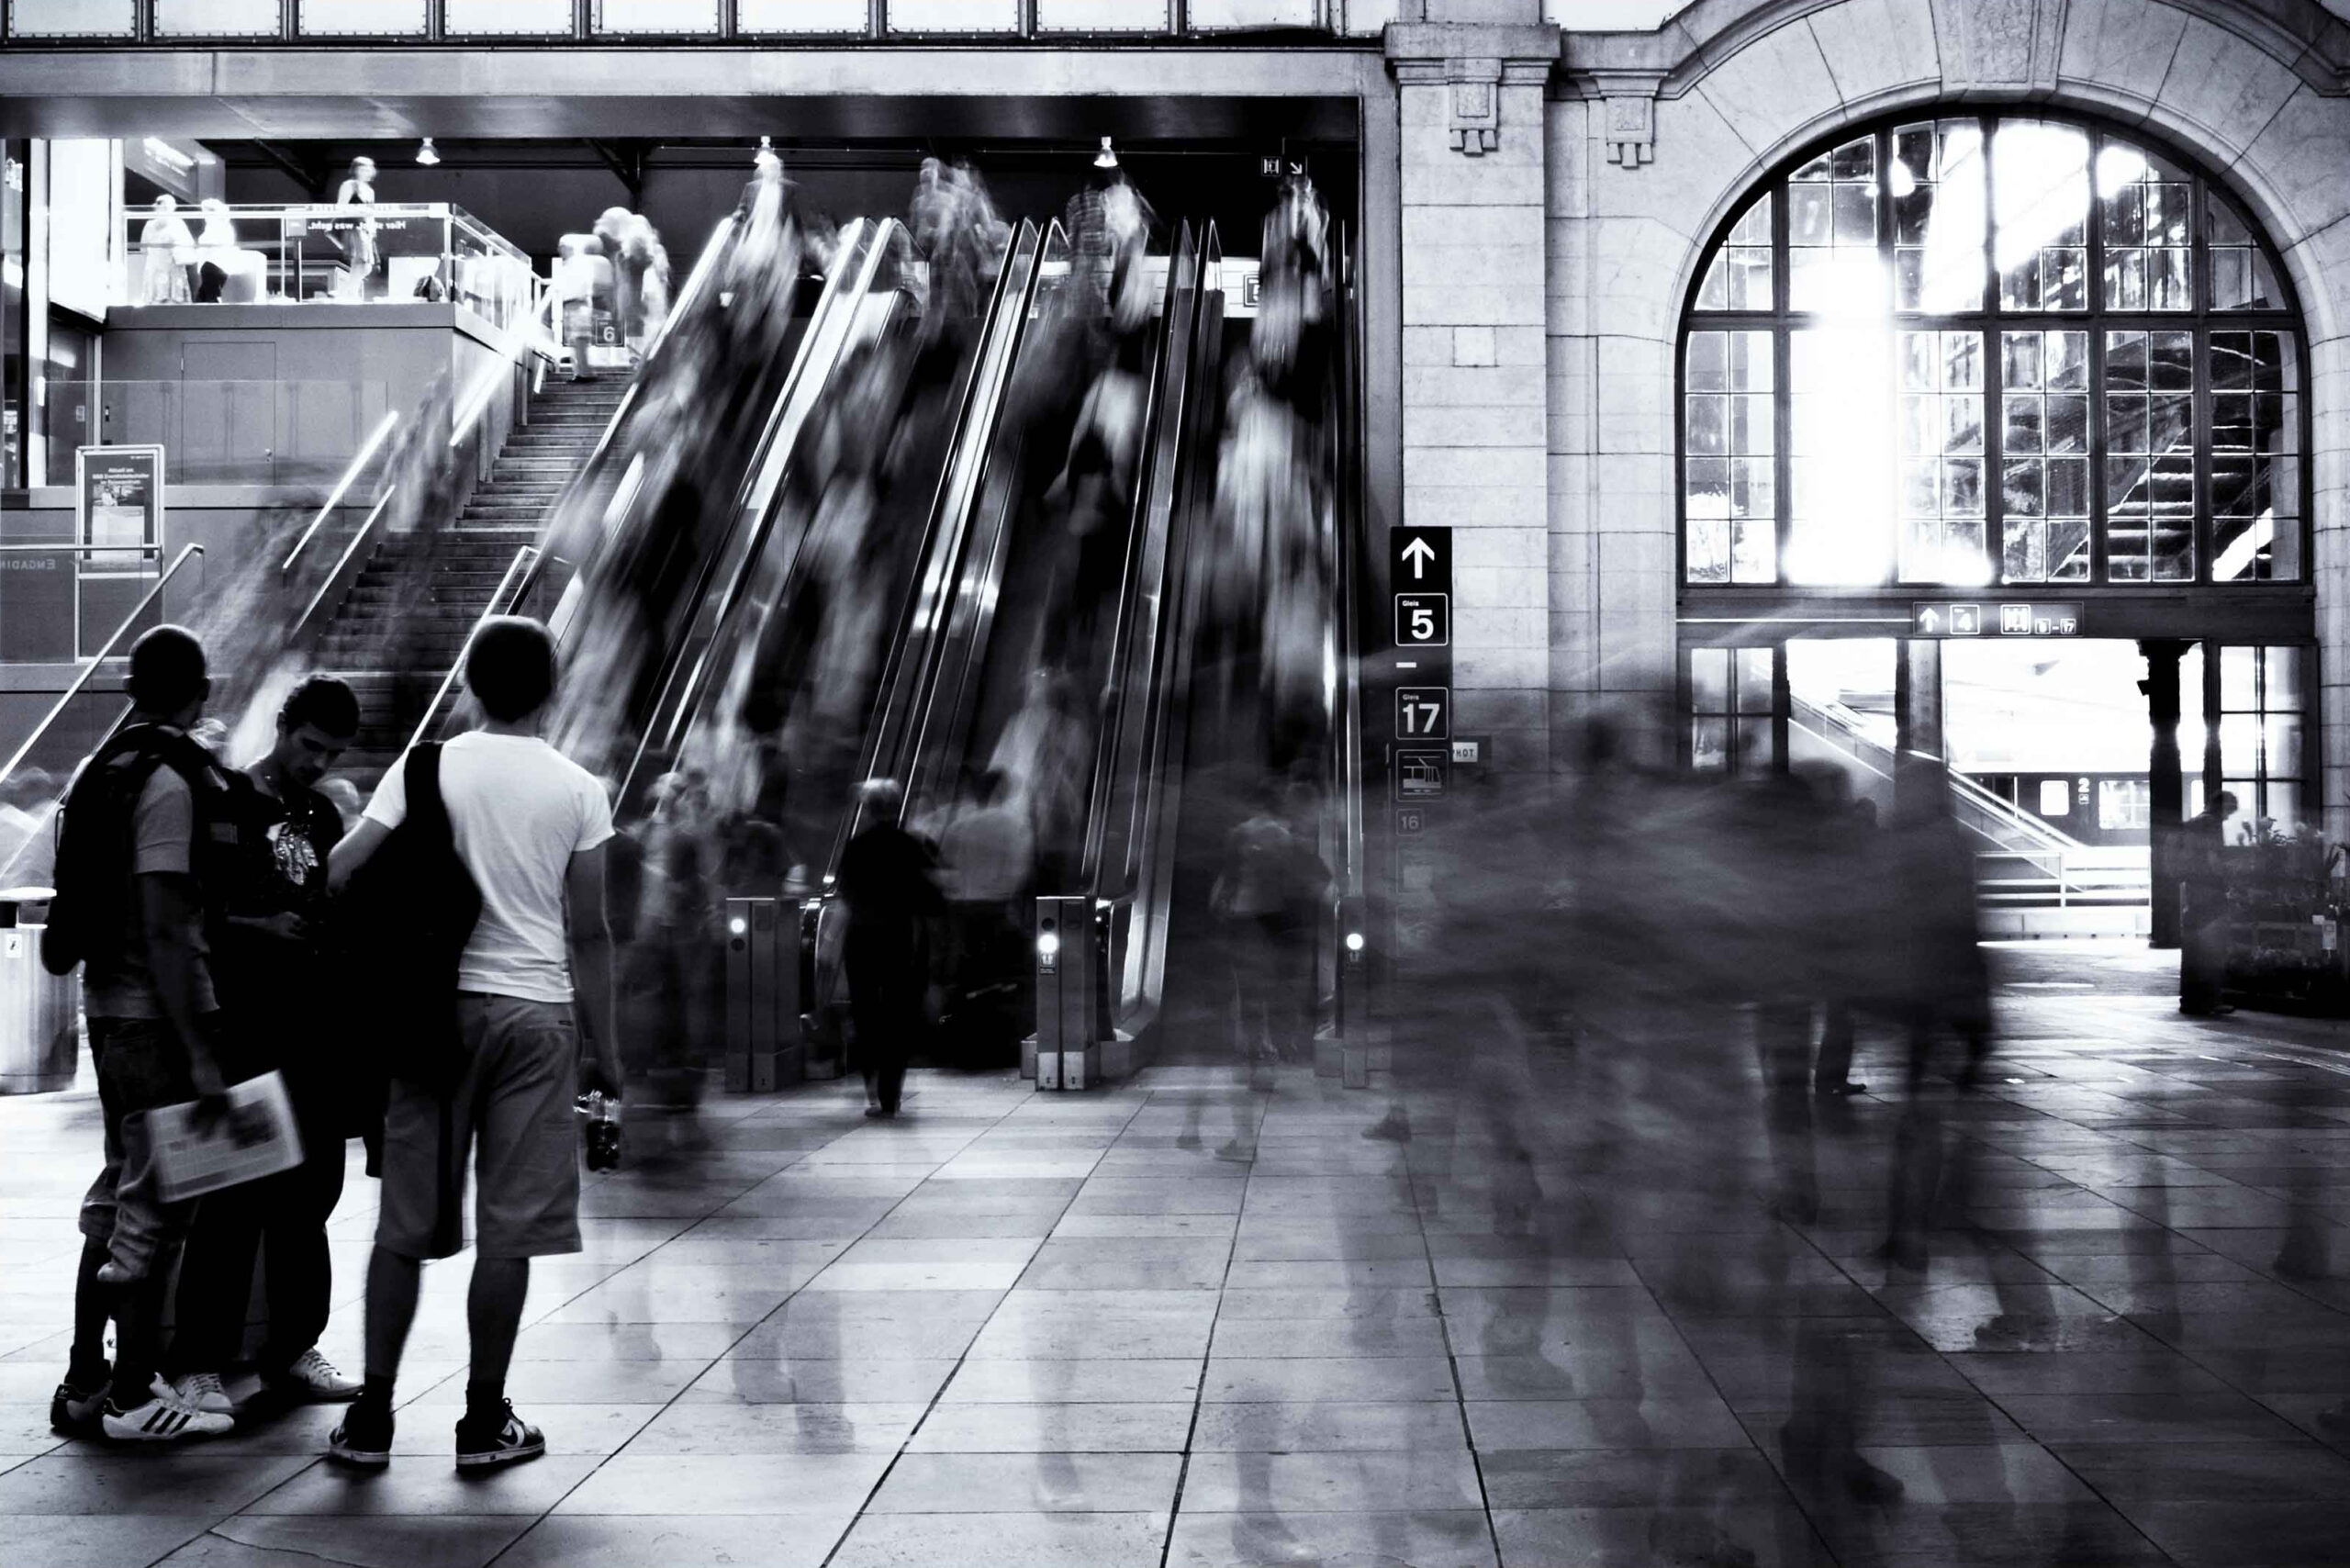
765 1429
88 1541
1456 1538
1029 1482
165 1483
1604 1424
802 1483
1763 1534
694 1541
1005 1541
1329 1483
1054 1429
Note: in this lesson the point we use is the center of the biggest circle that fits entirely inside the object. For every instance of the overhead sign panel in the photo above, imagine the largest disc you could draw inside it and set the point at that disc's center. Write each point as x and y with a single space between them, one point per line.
2038 618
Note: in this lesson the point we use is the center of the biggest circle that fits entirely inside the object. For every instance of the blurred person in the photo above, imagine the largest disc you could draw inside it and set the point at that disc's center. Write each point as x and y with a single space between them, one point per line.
215 251
1287 338
986 856
531 828
1945 987
888 880
644 264
2203 909
1853 832
953 225
140 870
360 255
1045 751
676 933
167 252
278 984
583 281
1095 493
1108 225
1255 897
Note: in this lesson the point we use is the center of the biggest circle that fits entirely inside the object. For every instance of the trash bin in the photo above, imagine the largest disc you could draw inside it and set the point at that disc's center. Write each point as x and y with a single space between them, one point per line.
40 1034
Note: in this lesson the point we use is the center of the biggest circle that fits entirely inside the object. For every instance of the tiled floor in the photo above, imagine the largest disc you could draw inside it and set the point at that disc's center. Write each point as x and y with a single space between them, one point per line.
1181 1323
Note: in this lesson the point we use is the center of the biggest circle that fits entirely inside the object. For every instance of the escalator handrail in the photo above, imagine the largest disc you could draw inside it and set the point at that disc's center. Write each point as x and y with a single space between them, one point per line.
900 714
1142 592
822 351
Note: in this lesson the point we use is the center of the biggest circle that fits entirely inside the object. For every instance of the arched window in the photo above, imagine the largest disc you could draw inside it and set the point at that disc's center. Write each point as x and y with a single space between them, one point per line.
1985 348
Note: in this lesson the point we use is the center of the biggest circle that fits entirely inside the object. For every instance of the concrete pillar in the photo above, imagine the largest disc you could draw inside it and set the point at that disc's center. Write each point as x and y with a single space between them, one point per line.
1474 400
1918 698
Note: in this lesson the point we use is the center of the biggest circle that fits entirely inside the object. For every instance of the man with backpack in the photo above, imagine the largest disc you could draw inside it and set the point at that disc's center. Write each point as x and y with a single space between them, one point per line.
278 985
494 1063
147 823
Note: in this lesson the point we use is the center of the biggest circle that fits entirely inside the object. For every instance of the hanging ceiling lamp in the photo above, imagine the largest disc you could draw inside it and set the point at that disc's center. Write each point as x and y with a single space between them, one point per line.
426 155
1106 158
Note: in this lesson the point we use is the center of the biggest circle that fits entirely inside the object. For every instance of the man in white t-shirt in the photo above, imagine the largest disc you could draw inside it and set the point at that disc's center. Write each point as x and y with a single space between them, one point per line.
530 826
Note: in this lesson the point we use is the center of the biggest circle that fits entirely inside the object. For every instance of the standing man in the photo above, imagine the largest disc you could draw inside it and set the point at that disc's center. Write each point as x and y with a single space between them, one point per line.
138 862
888 881
530 827
280 990
2203 912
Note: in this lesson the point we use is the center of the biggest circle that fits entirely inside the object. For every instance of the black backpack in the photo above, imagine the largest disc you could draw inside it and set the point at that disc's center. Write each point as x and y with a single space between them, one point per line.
94 832
407 917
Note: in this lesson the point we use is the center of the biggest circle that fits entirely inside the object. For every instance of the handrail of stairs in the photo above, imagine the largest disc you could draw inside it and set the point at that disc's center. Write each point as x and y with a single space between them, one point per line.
105 652
358 464
319 612
501 600
1838 727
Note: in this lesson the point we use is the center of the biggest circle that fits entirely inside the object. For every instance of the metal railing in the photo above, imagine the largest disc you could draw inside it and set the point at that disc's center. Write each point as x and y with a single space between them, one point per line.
2086 877
358 461
106 651
501 602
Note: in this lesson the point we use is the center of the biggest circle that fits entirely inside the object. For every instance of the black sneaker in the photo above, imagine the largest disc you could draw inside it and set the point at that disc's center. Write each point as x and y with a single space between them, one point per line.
499 1437
73 1409
364 1437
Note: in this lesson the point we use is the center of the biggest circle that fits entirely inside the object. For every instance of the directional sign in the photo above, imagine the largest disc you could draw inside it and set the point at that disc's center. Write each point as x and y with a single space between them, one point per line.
1410 822
2045 618
1423 620
1935 618
1420 775
1423 713
1420 558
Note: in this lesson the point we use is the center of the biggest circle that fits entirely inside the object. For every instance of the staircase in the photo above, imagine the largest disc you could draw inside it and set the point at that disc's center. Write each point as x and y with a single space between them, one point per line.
465 564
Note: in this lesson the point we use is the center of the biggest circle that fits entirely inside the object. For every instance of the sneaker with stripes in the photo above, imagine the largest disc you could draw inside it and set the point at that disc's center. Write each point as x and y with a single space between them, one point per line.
165 1417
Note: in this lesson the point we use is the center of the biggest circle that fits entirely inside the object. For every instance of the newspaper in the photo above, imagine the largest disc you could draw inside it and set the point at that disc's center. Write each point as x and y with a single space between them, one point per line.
257 1139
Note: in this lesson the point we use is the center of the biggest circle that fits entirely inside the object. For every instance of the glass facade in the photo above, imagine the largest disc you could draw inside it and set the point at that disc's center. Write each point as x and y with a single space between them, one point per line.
2011 351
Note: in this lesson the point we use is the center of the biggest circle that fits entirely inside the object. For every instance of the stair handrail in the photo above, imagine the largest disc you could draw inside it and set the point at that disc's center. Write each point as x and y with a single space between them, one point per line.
105 652
351 473
1840 717
312 622
502 599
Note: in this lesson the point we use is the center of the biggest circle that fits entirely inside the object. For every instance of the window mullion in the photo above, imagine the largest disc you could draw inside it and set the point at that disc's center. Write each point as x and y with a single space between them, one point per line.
2098 566
1782 390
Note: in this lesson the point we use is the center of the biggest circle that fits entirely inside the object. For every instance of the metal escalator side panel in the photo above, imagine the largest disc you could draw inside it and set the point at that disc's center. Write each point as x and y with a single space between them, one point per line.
1142 596
866 296
1143 971
950 713
915 652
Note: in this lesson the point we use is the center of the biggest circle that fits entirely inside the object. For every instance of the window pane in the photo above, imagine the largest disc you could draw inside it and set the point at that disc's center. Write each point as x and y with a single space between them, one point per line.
494 19
2150 461
1941 492
697 19
2239 679
953 16
2241 277
760 16
2146 209
2280 803
1754 680
2040 242
1215 15
1831 217
73 18
1755 748
1938 216
1709 744
216 18
362 18
1729 496
1738 277
1109 17
2240 743
1709 680
2281 676
1844 446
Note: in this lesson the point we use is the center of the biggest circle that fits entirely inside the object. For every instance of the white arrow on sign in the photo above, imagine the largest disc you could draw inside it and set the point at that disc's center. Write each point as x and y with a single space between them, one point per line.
1928 620
1416 555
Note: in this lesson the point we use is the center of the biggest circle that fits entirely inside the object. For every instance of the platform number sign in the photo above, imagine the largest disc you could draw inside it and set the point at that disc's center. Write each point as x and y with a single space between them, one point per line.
1423 713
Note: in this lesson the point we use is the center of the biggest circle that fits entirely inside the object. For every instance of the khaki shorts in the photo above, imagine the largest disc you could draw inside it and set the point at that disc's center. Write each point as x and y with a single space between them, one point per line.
512 1109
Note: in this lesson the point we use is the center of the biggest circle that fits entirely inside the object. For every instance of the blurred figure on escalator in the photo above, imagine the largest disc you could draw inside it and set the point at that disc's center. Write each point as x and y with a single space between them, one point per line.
954 227
1046 752
1265 898
1108 225
676 948
1095 494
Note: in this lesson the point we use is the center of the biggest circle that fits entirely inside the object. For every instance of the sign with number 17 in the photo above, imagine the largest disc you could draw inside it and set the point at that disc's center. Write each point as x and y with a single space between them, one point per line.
1423 713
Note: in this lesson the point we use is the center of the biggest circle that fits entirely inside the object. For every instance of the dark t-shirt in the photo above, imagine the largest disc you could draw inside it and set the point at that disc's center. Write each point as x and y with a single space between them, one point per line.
281 867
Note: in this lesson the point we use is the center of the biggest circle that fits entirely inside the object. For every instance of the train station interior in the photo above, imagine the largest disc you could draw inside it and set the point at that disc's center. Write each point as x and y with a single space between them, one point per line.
1214 782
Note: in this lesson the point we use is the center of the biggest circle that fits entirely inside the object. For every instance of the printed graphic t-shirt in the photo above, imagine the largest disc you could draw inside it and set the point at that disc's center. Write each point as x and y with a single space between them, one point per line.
519 809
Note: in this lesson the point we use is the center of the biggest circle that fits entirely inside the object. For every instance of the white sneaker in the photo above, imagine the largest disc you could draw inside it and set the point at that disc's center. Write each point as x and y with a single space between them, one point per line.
313 1380
199 1391
165 1418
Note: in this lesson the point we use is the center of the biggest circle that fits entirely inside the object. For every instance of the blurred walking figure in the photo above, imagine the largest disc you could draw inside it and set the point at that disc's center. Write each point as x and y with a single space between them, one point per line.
2203 909
888 881
1269 877
584 280
1853 834
954 226
1946 990
1044 750
678 925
